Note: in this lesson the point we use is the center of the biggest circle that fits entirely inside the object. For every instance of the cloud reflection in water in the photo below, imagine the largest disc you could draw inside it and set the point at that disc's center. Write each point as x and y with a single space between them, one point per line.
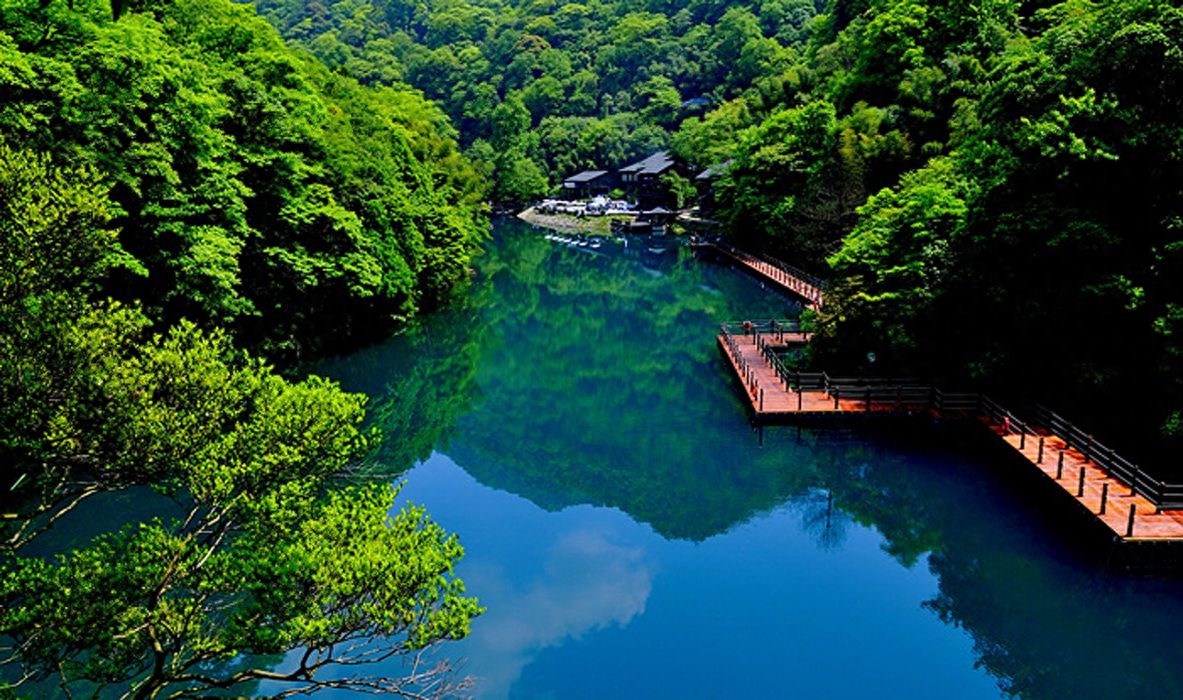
561 582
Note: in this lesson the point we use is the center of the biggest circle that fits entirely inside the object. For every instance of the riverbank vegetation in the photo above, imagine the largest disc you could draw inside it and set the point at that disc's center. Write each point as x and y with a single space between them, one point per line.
175 187
994 193
993 190
255 190
992 187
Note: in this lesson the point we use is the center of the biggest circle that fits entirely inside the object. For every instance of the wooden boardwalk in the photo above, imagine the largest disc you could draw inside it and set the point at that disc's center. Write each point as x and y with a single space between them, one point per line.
1148 522
783 275
1095 478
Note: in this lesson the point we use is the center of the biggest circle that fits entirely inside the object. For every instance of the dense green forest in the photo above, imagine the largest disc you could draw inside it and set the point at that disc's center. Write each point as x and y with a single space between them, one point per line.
992 188
252 188
1027 238
540 90
995 191
177 188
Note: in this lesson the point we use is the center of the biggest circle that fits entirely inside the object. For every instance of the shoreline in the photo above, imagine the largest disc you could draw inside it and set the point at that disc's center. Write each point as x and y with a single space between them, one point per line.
561 222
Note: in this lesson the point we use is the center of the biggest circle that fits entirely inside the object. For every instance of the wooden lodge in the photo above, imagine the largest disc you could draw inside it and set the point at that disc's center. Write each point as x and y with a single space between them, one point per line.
588 184
642 180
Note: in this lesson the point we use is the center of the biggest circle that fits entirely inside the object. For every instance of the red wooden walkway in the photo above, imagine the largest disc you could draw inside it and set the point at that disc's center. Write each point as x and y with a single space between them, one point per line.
771 395
772 270
1148 524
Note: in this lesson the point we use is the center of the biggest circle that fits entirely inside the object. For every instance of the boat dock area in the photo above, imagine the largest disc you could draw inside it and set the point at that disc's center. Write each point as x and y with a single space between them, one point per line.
1132 506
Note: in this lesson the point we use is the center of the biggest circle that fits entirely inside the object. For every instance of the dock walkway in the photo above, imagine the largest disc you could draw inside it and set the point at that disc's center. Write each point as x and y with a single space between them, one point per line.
791 279
1115 492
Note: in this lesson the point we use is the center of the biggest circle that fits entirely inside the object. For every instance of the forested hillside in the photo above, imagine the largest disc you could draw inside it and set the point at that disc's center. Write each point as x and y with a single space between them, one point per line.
993 187
175 187
995 191
540 90
252 188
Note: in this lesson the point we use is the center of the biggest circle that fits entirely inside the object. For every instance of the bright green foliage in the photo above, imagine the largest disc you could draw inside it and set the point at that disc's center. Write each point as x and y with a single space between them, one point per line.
791 181
262 554
896 261
168 605
54 245
601 66
260 192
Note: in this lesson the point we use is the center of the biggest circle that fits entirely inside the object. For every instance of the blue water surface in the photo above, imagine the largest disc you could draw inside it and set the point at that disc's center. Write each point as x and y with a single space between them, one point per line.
588 603
632 535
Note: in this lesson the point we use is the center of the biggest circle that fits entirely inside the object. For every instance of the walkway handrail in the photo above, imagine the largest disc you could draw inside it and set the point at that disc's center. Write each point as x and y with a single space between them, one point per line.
798 281
793 270
767 325
797 272
1162 494
910 392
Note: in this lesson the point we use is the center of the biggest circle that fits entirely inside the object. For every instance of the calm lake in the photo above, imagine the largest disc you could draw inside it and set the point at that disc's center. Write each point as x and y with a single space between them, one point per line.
633 536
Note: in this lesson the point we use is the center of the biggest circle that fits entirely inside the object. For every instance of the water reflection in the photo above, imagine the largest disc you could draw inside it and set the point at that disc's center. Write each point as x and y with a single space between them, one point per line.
418 383
587 582
588 397
591 368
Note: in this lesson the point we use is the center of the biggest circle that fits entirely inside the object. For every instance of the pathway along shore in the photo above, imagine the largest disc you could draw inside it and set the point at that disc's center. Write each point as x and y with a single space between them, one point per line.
1133 508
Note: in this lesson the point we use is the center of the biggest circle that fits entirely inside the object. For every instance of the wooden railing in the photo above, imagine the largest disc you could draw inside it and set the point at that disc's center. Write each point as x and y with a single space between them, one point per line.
777 327
910 392
801 282
1161 493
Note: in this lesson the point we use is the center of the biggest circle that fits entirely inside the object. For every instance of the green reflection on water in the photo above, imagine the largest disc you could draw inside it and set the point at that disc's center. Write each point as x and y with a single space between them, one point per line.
573 376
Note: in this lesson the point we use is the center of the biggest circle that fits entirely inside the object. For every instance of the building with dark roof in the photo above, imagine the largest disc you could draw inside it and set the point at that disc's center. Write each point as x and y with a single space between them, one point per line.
704 183
588 183
642 180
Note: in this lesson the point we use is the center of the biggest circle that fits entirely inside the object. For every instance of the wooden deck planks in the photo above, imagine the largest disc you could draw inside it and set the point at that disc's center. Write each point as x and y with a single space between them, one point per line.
772 273
760 377
768 397
1148 524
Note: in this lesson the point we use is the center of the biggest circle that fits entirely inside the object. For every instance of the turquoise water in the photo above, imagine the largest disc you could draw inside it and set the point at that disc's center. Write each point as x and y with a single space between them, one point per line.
633 536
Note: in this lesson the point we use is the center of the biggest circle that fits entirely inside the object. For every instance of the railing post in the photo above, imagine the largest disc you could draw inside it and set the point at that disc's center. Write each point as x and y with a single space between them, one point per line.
836 391
1023 437
1080 484
1040 460
1060 466
1129 527
799 394
1104 497
1088 450
761 399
